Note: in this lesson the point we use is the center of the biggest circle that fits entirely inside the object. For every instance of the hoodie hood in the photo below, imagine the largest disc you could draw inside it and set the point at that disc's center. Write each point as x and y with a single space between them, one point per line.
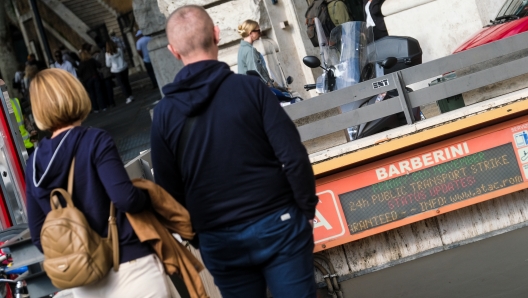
52 158
195 85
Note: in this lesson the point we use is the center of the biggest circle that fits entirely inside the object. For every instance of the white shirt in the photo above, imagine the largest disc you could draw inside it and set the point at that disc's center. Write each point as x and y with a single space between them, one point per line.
67 66
370 21
19 76
116 62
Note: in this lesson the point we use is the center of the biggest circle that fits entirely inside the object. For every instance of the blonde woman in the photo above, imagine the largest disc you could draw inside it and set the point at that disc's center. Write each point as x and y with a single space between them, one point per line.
60 103
248 57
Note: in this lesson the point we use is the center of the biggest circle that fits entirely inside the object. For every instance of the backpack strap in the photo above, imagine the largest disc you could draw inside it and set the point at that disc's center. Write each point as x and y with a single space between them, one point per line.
113 237
70 177
55 203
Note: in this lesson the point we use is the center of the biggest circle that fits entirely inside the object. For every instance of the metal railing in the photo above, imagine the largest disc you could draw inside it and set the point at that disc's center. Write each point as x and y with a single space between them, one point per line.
408 100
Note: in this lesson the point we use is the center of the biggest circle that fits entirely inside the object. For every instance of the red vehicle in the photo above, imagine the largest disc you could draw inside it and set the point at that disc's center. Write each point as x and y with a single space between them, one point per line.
512 19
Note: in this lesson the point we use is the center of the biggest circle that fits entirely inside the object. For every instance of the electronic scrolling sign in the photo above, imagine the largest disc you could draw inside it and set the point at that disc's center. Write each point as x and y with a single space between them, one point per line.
422 183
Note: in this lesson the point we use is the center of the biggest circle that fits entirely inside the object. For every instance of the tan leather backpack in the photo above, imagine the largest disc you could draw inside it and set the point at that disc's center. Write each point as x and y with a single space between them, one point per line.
75 255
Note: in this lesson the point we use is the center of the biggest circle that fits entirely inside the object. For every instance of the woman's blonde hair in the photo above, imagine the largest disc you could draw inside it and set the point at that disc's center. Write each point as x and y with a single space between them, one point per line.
246 27
58 99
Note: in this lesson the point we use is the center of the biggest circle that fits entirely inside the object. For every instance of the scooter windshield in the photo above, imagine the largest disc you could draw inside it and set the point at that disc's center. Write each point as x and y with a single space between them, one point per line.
270 62
323 43
348 52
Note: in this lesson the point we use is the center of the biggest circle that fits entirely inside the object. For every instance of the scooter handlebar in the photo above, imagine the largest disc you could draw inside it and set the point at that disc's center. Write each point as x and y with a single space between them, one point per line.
309 87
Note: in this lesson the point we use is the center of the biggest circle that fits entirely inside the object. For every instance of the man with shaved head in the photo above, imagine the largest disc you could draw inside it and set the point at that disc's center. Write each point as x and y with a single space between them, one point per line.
223 147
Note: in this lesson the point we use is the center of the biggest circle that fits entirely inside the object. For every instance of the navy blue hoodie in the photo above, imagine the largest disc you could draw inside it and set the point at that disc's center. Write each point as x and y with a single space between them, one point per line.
244 158
99 177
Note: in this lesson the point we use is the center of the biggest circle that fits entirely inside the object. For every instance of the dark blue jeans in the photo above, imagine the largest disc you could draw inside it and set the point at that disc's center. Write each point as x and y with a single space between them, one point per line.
150 72
108 91
123 81
244 258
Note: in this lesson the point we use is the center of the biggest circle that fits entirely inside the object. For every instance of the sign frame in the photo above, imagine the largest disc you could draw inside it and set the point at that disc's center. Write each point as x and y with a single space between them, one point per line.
322 244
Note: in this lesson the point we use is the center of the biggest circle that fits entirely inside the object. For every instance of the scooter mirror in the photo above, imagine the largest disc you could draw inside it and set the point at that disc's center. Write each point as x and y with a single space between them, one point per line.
252 73
389 62
312 61
289 80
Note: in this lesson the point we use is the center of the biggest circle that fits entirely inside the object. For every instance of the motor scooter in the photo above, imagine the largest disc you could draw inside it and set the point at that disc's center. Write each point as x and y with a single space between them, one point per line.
351 56
272 74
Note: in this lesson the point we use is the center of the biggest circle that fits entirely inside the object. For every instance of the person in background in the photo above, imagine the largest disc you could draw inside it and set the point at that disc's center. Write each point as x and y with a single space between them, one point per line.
89 76
239 168
27 137
106 77
118 66
338 12
100 178
32 60
18 80
141 46
86 47
356 9
67 56
29 73
63 64
117 40
248 57
374 17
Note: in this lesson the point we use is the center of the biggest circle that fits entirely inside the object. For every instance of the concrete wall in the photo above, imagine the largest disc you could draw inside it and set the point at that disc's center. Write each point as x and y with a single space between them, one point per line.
278 22
396 247
439 25
488 9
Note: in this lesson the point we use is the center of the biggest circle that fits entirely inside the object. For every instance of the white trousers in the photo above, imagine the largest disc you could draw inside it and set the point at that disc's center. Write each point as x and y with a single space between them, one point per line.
141 278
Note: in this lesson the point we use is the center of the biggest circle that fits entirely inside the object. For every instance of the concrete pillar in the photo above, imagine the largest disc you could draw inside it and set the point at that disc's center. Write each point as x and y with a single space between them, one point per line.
21 25
291 49
152 22
41 41
59 37
70 18
165 65
138 61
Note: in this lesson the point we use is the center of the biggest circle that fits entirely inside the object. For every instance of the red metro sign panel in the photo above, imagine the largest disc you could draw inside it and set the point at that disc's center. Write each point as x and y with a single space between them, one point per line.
422 183
329 221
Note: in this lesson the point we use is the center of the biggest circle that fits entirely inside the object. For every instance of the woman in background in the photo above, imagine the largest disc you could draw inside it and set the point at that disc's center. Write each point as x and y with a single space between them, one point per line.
89 76
106 77
118 66
248 57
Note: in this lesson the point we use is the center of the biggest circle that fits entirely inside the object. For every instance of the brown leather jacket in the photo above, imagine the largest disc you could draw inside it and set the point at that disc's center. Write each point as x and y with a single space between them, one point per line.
156 228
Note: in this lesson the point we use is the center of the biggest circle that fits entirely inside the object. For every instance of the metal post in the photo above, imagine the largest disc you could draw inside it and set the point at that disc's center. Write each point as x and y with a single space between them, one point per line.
42 32
404 97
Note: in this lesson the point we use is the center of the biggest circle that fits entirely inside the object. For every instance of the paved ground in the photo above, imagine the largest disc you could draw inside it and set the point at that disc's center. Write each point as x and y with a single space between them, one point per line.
129 124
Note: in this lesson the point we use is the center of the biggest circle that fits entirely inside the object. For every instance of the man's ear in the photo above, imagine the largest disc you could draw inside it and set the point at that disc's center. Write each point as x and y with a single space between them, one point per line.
174 52
216 35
